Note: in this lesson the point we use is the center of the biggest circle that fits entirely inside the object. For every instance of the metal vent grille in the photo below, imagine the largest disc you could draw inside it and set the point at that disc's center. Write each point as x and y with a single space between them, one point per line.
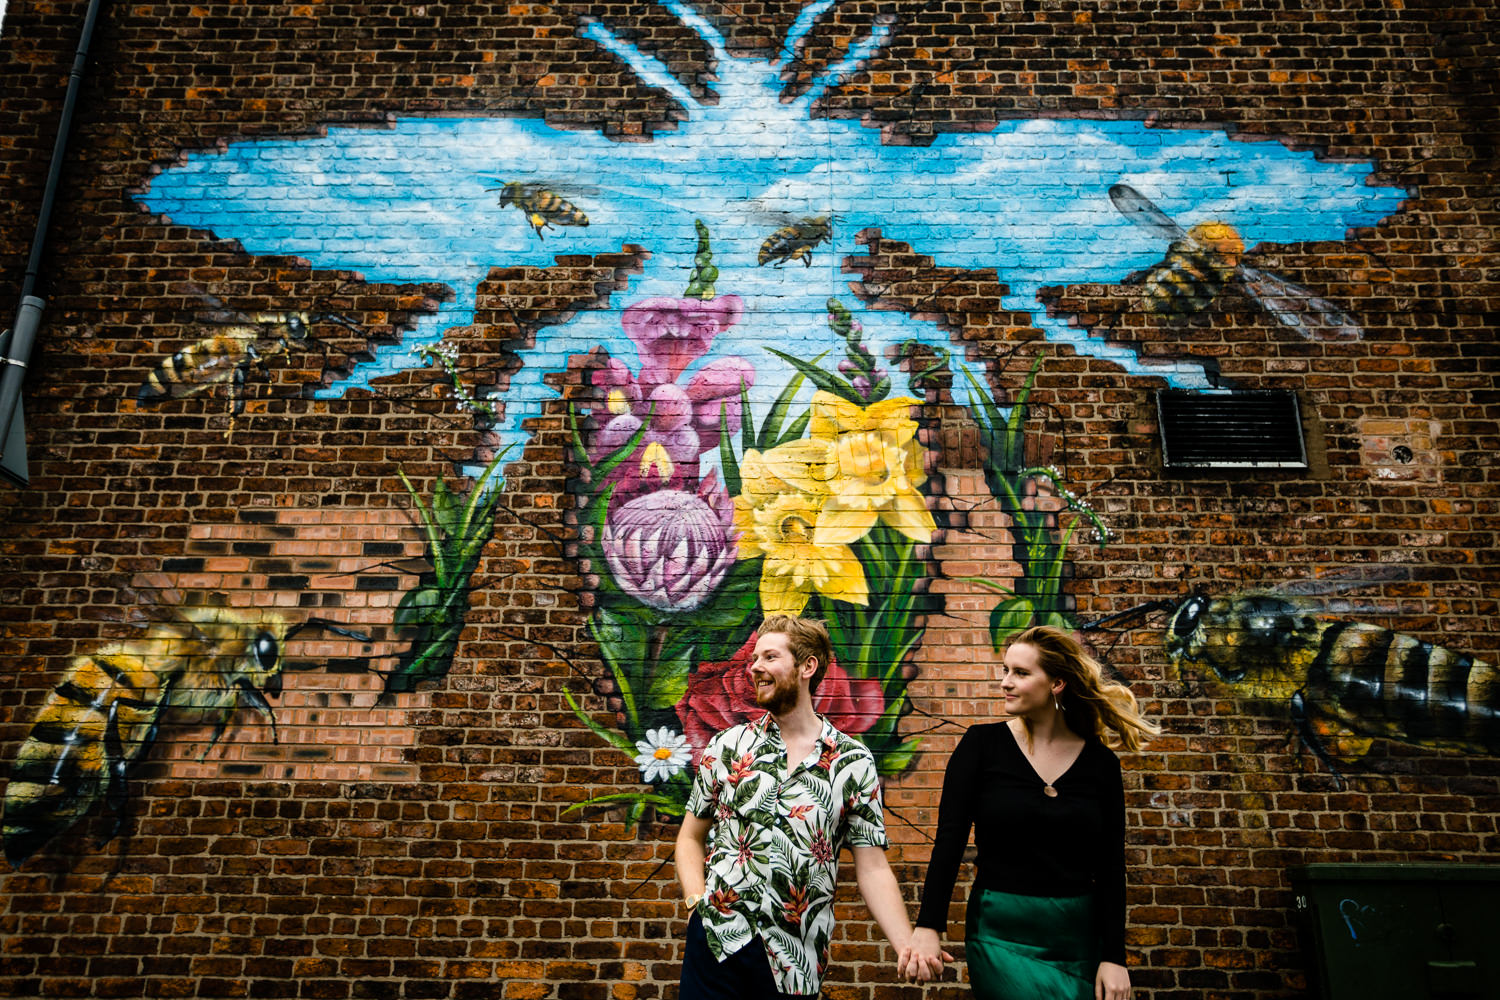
1230 429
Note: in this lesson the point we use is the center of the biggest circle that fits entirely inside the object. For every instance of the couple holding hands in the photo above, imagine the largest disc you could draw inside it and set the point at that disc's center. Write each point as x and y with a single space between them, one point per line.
774 801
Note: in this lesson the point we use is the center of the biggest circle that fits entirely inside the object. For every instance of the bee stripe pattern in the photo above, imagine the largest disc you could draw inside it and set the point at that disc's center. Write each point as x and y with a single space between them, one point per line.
1185 282
96 722
795 242
193 369
1350 667
543 209
1389 684
103 716
1333 675
1412 678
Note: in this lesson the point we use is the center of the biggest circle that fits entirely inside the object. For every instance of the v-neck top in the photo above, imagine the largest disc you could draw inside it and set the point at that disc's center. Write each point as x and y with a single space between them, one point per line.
1029 843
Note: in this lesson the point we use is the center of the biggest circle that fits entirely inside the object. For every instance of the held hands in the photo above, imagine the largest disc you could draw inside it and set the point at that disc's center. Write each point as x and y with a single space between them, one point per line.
923 957
1111 982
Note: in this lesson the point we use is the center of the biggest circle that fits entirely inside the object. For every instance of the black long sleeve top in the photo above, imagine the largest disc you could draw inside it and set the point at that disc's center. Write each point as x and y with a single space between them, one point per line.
1029 843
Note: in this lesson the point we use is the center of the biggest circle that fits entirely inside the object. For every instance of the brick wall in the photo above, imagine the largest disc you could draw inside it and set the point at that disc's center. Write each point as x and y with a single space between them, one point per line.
425 820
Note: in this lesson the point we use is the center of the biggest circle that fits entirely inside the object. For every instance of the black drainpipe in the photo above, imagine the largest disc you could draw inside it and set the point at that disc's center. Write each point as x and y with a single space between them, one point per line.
16 343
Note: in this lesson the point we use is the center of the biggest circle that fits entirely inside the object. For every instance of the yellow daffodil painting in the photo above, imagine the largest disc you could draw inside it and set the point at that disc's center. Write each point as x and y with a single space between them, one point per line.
866 465
805 502
782 531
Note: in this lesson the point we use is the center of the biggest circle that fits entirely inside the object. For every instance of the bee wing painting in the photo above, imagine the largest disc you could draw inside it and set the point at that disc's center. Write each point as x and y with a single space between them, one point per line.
1334 589
1198 262
1142 211
794 223
1294 306
1186 282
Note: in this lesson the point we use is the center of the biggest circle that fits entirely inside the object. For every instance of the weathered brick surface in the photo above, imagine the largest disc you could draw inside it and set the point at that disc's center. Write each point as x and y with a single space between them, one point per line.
425 844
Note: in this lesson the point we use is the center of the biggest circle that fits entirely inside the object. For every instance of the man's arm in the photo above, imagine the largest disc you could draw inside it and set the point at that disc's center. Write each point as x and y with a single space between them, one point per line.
882 896
878 888
691 853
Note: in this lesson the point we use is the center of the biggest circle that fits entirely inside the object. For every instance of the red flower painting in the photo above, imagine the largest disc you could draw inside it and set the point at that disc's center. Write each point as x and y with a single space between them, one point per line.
720 695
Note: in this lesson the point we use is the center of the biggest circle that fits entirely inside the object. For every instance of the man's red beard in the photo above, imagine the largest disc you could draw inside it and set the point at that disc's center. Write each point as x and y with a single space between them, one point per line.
781 698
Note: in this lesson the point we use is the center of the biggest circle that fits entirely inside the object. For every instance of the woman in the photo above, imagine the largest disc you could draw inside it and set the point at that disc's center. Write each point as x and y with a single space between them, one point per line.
1044 796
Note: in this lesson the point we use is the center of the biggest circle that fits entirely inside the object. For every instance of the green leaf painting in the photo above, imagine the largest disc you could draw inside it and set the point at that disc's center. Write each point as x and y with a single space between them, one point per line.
433 613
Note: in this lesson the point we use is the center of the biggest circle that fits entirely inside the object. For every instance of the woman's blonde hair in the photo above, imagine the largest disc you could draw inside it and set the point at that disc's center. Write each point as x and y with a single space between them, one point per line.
1093 707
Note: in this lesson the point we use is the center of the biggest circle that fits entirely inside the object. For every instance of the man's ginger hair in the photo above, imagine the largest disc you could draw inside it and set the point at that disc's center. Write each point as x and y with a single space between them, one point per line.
804 637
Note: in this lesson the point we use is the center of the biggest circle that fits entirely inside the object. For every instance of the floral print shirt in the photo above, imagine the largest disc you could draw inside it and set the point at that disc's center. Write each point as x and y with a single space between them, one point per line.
773 849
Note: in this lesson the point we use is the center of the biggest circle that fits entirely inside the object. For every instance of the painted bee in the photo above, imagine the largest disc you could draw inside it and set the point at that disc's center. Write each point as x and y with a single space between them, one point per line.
228 355
103 717
796 241
543 208
1203 259
1344 683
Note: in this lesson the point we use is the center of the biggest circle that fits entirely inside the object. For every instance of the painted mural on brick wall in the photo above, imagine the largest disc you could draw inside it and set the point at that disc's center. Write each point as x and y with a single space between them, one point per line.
748 452
816 512
192 660
748 448
1051 202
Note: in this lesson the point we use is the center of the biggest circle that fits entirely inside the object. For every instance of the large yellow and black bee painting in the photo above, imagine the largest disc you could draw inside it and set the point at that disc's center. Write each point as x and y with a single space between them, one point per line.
103 716
1342 683
1201 260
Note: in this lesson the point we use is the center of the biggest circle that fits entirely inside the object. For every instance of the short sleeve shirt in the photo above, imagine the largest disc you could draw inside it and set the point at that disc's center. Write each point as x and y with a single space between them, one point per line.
773 849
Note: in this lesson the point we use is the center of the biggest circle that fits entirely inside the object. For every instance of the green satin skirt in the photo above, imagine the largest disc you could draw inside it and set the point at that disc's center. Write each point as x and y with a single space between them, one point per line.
1031 947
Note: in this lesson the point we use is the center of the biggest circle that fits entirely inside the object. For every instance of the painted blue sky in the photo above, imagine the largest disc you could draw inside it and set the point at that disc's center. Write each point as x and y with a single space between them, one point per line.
417 202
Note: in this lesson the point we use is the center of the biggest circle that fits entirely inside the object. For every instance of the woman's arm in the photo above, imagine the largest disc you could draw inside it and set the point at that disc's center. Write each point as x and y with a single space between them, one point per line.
1110 875
955 818
1112 979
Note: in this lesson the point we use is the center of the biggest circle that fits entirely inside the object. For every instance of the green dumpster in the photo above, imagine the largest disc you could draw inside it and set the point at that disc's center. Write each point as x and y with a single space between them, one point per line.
1408 931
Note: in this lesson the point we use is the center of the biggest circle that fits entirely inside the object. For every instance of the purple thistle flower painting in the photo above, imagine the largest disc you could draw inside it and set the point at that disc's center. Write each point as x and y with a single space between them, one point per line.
670 549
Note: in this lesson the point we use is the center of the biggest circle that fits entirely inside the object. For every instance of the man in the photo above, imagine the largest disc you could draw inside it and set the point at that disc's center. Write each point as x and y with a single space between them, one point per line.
773 803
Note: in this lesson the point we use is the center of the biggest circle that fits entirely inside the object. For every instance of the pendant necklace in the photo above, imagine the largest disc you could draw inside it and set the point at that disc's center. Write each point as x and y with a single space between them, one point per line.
1049 791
